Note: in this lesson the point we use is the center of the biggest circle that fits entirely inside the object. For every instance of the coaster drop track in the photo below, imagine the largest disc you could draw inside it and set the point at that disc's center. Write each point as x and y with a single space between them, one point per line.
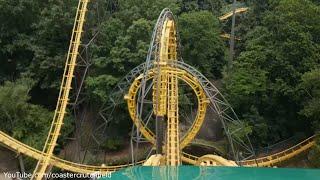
166 69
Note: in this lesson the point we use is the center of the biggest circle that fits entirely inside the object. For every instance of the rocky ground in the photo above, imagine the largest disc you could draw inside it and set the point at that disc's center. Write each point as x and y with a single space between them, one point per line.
8 162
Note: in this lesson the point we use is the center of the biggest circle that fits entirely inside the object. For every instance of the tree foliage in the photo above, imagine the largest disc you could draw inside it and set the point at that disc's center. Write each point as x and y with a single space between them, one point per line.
201 44
277 52
310 86
34 41
23 120
273 86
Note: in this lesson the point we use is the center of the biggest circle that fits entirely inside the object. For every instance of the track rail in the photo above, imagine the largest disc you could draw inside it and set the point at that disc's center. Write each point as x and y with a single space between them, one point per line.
129 86
284 155
269 160
266 161
46 157
65 87
187 78
22 148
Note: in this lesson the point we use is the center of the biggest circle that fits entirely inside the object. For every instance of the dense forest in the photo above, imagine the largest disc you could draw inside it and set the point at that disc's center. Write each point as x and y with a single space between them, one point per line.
273 85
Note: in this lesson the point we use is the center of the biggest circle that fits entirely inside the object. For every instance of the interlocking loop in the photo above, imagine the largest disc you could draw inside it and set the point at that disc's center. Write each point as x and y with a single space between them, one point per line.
187 78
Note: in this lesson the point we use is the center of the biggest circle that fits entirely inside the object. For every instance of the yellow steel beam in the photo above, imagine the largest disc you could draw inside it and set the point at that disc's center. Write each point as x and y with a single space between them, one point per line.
227 36
167 104
187 78
165 96
168 52
65 87
172 144
284 155
229 14
269 160
55 161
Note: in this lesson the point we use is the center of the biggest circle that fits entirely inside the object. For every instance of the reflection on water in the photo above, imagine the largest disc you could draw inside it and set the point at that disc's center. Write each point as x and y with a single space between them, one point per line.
216 173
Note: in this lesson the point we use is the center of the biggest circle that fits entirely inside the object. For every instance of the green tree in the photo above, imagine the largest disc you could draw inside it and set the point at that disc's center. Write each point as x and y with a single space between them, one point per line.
277 52
18 117
201 44
246 88
50 42
310 87
214 6
17 18
125 49
25 121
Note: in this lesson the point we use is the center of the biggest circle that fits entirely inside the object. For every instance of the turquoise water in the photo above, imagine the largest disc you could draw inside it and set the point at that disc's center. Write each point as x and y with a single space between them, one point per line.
216 173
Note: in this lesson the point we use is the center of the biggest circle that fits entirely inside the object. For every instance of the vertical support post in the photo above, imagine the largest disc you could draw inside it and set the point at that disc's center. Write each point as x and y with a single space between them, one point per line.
232 37
159 134
21 163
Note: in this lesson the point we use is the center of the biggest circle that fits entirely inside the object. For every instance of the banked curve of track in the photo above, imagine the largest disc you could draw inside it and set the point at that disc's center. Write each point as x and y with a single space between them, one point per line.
265 161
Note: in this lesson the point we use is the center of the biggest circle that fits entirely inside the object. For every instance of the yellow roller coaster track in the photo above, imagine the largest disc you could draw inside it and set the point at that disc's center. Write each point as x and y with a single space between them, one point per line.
279 157
165 95
168 52
187 78
266 161
269 160
169 76
63 99
19 147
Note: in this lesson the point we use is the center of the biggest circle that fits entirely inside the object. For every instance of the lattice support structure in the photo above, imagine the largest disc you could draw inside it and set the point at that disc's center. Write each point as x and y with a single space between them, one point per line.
162 61
206 92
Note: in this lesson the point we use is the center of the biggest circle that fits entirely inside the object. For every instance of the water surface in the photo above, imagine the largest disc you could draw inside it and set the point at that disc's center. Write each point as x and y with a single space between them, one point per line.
214 173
